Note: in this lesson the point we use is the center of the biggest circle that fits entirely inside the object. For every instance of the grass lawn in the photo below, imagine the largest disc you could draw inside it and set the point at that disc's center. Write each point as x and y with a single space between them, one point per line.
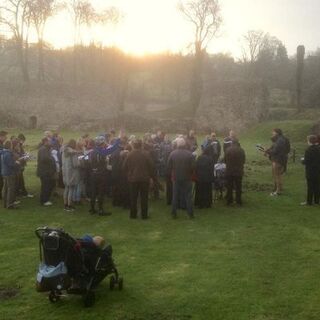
259 262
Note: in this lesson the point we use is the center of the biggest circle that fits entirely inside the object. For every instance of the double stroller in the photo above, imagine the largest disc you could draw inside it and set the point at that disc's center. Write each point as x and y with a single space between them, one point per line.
74 266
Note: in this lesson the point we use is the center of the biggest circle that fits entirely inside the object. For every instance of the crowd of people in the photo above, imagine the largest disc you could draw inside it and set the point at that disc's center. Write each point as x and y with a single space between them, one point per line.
130 169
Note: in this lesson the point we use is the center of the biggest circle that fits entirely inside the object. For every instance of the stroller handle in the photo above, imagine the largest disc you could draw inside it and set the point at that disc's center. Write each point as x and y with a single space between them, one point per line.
41 230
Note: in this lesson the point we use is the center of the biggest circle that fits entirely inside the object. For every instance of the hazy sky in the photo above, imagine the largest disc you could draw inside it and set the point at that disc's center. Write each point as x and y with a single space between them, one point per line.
155 25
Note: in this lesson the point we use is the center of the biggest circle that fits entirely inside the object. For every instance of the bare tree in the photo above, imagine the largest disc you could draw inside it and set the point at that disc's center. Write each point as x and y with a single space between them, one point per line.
15 15
84 14
111 15
254 42
41 11
205 16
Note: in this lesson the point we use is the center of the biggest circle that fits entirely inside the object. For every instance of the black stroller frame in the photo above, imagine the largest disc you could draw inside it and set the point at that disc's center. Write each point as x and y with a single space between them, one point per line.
87 265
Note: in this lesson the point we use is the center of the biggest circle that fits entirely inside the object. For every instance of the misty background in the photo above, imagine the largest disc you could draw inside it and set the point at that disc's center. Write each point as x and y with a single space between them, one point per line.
140 64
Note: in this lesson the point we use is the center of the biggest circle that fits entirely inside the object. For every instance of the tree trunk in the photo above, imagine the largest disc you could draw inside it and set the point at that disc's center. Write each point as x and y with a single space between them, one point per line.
23 60
300 69
41 75
123 90
196 82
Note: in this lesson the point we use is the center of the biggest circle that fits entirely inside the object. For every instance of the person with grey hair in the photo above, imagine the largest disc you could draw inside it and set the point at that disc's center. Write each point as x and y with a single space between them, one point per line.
181 166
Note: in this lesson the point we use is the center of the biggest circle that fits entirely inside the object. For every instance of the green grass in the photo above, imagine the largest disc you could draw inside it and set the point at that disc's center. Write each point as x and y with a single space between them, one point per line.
259 262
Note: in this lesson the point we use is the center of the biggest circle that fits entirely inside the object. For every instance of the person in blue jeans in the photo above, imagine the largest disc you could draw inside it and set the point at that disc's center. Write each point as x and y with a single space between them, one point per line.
181 166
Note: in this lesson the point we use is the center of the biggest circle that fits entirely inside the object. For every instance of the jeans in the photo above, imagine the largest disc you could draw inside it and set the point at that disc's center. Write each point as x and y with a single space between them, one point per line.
20 185
9 191
182 191
1 186
68 195
79 192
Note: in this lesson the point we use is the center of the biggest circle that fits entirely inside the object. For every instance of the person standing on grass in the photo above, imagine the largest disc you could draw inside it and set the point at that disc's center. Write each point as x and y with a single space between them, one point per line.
204 171
70 173
9 168
46 171
21 189
235 159
312 165
181 166
166 149
140 169
80 190
97 166
3 138
278 154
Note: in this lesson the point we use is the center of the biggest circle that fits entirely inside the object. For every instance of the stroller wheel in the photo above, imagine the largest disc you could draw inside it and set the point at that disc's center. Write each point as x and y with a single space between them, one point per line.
89 299
53 297
120 283
113 282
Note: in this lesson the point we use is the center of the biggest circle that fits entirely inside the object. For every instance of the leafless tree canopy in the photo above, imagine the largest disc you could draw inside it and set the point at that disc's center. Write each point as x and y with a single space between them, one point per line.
84 14
253 44
256 43
205 15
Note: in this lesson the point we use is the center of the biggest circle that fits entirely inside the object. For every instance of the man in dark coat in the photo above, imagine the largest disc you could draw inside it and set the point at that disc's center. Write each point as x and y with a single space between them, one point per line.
140 170
229 140
181 165
235 159
166 149
312 164
97 173
46 172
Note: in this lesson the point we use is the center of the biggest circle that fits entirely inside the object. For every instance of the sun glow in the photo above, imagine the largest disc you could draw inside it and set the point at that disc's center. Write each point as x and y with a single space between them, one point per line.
153 26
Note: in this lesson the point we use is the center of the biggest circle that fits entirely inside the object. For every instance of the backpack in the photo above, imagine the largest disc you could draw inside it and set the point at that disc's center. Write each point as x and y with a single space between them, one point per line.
287 146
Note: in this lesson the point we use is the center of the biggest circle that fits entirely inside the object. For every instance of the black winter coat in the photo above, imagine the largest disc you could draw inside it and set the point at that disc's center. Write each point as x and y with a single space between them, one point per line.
278 152
312 162
235 159
46 163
